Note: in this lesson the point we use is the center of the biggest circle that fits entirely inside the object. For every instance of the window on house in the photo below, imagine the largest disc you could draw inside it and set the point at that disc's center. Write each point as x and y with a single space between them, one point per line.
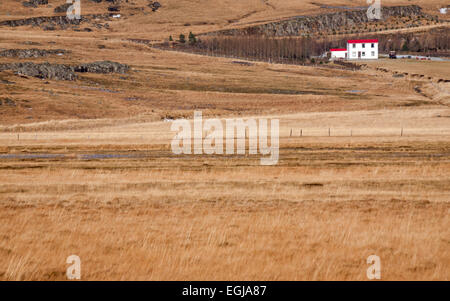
353 53
364 45
373 53
373 45
354 45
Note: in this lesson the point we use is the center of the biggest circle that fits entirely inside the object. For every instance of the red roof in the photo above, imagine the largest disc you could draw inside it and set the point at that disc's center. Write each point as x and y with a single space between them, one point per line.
362 41
338 49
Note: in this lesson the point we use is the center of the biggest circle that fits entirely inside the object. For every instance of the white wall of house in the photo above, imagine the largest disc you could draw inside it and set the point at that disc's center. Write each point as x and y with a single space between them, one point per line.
362 50
338 54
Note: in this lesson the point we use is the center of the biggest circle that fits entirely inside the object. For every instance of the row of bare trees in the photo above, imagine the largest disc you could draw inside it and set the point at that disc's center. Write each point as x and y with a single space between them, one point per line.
427 42
286 50
297 50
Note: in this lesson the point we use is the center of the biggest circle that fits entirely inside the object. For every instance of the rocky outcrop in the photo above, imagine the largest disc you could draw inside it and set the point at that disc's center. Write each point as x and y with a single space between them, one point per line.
103 67
154 5
8 102
44 70
51 22
63 72
62 8
113 8
303 25
242 63
34 3
30 53
39 21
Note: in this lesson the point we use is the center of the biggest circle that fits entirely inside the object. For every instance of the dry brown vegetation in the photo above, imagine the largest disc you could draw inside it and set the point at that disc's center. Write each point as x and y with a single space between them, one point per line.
149 215
86 166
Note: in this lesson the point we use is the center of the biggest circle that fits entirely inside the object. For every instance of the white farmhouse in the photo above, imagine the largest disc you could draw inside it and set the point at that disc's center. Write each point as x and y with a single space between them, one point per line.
362 49
357 50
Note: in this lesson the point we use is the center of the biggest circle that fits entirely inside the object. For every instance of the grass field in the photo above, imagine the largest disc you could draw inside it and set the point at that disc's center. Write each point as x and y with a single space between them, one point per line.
86 166
317 215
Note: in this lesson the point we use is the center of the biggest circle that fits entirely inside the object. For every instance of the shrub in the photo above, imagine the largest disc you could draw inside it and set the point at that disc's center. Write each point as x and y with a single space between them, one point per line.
192 38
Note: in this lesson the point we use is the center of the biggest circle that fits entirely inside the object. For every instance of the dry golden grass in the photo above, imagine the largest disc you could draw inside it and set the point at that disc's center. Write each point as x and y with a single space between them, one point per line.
317 215
434 69
209 240
169 84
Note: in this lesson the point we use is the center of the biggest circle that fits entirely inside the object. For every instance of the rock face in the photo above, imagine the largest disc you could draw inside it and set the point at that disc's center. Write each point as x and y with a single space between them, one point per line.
30 53
103 67
51 22
62 8
114 8
63 72
154 5
34 3
44 70
311 24
39 21
7 101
